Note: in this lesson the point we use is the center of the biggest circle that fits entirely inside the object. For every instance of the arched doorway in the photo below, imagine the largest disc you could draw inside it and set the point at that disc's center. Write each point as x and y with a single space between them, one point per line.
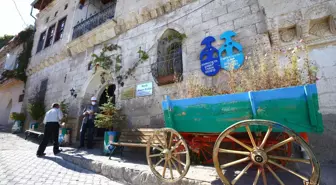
103 99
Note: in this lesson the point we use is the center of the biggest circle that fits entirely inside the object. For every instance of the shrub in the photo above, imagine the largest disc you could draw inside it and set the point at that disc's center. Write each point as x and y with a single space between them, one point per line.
36 107
110 117
17 116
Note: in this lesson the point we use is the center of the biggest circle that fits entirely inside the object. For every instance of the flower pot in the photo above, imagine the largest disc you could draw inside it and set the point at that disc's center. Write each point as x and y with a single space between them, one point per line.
110 136
33 125
17 127
64 136
163 80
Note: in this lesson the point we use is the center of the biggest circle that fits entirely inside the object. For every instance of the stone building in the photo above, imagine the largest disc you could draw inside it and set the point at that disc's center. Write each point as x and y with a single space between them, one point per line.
11 89
69 32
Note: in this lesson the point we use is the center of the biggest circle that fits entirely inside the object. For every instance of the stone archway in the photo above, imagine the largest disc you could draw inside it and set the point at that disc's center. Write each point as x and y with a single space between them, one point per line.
92 87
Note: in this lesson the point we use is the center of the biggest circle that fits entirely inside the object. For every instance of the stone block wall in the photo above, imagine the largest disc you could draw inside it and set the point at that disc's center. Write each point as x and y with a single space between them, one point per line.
257 23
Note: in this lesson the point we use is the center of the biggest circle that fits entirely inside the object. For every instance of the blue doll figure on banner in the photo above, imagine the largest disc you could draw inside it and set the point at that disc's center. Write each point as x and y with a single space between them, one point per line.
232 57
210 64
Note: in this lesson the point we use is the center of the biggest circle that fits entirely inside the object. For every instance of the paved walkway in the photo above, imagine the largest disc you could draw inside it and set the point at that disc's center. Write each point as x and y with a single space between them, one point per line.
19 165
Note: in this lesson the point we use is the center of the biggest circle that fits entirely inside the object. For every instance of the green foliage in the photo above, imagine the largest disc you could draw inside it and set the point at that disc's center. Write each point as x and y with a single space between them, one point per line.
36 107
25 37
17 116
104 61
176 35
110 117
5 39
65 110
143 56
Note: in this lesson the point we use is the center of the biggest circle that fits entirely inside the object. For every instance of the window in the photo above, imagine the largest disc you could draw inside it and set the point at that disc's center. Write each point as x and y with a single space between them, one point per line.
168 67
50 36
66 6
47 20
56 13
43 88
60 29
41 42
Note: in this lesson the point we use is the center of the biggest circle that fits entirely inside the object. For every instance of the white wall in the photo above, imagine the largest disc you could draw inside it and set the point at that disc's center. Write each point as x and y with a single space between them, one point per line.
7 94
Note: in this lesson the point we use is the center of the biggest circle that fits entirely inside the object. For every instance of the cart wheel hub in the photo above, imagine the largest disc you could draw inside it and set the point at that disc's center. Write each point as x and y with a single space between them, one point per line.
167 153
259 157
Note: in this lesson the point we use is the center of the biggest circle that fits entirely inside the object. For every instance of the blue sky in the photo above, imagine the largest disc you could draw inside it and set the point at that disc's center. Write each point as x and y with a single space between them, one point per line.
11 22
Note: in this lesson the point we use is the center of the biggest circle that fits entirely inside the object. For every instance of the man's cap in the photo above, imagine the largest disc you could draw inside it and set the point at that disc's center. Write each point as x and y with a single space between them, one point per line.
93 99
54 104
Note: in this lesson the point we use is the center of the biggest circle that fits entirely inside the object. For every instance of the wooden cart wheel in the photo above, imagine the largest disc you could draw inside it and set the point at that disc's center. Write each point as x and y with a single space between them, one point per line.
259 155
172 155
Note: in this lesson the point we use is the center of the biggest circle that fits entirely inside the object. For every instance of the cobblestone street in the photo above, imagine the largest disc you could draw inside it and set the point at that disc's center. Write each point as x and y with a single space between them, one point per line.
19 165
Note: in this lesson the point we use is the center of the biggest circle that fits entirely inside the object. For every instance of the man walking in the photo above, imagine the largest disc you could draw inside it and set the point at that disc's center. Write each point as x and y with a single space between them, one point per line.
52 123
88 123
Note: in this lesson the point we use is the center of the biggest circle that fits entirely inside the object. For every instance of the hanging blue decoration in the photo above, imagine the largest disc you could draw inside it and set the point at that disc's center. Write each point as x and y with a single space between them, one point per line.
231 52
210 64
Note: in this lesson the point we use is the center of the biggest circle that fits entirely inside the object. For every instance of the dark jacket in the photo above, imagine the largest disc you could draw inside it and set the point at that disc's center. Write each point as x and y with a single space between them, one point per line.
94 108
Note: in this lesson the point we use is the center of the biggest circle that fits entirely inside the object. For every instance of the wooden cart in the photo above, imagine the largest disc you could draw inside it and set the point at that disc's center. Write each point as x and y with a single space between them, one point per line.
254 132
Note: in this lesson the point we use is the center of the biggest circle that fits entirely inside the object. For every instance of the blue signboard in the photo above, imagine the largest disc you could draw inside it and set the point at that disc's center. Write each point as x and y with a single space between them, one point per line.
229 56
210 64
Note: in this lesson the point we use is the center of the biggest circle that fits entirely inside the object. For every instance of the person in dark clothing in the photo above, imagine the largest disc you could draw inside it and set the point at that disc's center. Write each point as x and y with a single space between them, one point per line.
52 123
88 123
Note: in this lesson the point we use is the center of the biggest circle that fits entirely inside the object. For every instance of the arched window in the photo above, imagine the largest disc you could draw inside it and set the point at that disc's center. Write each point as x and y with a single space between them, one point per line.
168 67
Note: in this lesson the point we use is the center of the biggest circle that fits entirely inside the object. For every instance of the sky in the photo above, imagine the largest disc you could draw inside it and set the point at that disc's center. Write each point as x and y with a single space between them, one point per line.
10 20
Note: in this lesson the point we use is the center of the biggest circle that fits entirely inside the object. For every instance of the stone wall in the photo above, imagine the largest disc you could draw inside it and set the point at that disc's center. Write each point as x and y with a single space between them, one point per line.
257 24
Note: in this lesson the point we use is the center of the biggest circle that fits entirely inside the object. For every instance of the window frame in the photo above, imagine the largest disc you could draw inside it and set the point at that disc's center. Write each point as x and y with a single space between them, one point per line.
59 29
40 43
50 36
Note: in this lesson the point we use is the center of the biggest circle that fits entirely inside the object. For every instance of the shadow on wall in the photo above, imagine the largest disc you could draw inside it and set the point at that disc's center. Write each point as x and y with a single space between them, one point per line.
324 145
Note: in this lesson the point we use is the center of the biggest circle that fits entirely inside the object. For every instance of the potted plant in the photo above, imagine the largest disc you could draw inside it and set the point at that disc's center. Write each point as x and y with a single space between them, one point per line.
111 118
18 118
36 109
64 133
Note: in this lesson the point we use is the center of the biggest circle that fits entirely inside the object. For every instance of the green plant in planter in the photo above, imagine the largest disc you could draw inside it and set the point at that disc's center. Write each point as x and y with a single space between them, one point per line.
17 116
110 117
36 107
65 110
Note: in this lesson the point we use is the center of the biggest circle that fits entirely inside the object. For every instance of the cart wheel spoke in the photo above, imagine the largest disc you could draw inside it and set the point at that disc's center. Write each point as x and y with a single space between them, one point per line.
288 170
269 130
279 144
235 162
179 161
306 161
234 181
155 155
157 137
239 142
164 169
176 145
264 176
255 182
170 140
157 147
170 169
275 175
158 162
177 168
179 153
233 152
250 136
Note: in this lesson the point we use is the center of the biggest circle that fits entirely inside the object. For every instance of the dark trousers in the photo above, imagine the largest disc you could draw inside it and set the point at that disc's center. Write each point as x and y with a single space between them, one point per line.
51 131
87 127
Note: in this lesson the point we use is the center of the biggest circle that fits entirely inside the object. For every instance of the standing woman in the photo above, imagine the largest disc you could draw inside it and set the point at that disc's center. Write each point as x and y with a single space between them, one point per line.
88 123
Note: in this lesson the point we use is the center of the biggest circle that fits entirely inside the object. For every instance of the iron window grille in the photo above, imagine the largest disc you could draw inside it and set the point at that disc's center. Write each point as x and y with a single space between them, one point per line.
169 65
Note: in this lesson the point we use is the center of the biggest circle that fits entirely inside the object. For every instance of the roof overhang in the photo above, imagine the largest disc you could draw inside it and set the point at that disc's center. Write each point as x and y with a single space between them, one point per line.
41 4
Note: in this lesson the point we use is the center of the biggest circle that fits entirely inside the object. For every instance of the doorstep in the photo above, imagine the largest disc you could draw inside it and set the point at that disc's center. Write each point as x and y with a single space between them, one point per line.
132 168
